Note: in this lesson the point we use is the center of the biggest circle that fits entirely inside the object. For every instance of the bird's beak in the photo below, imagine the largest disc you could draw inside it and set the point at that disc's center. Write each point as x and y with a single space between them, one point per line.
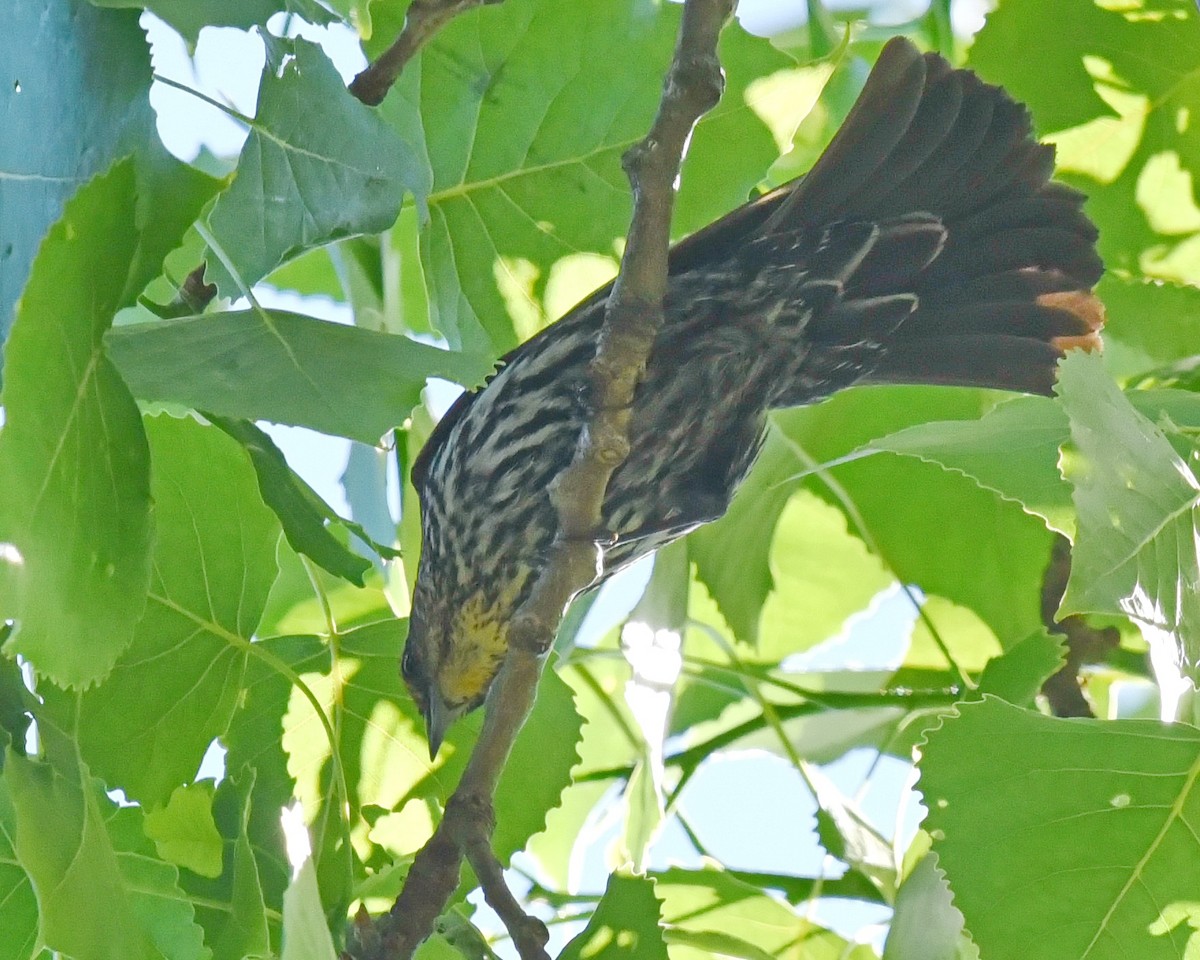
437 720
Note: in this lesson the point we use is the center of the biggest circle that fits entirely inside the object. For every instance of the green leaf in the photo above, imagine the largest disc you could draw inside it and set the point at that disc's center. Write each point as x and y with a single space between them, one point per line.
625 924
184 832
1077 101
286 368
990 554
100 109
711 901
822 573
925 924
1116 84
94 901
14 702
19 918
305 932
815 574
731 555
848 834
189 17
707 943
1136 549
1017 675
313 274
254 742
318 165
162 908
381 747
73 457
230 908
1011 450
364 481
301 512
539 769
644 814
608 740
1030 813
523 111
380 752
147 726
171 195
304 597
1150 324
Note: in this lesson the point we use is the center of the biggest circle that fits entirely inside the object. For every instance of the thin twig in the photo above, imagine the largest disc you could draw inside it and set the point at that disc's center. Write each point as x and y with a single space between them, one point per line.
194 292
1084 643
633 317
423 19
529 934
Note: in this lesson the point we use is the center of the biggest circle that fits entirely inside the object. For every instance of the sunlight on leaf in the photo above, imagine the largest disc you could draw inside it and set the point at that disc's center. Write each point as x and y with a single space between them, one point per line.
1137 499
625 924
1065 799
1118 91
74 464
286 368
74 844
178 684
526 109
184 832
700 906
318 166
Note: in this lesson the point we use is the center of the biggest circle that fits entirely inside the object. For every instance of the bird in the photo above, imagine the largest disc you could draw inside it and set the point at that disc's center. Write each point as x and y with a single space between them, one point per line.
928 244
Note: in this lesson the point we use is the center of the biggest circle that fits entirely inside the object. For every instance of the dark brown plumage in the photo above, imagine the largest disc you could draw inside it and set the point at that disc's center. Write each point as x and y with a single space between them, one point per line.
927 245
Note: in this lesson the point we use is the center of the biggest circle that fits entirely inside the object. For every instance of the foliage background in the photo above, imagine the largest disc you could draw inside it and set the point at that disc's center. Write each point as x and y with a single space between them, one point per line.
167 580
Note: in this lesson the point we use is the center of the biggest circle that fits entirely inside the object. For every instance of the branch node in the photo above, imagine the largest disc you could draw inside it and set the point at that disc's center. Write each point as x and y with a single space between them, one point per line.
700 77
612 443
527 633
423 19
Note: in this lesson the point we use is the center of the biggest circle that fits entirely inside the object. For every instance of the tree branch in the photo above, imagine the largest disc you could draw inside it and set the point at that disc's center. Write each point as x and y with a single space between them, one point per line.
633 317
1085 643
423 19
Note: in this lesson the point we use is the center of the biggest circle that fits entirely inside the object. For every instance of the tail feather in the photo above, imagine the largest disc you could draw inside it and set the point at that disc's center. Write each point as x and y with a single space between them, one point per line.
905 248
1019 248
883 114
1010 286
1019 318
926 245
1029 211
997 261
992 360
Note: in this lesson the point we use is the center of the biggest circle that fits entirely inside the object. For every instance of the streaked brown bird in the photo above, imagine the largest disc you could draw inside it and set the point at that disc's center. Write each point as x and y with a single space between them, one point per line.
927 245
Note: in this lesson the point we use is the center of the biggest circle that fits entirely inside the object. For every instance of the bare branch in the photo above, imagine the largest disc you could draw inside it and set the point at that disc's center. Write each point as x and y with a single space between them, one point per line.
1085 643
423 19
633 317
529 934
195 293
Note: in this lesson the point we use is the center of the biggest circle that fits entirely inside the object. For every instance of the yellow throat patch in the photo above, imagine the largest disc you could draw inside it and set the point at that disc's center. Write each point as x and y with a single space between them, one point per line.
477 645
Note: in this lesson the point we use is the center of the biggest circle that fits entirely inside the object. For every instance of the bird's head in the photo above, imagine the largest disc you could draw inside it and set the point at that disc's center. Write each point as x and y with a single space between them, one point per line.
454 650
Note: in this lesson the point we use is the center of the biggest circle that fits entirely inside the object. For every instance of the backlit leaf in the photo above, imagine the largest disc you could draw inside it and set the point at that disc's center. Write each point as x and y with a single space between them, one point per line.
1065 800
74 464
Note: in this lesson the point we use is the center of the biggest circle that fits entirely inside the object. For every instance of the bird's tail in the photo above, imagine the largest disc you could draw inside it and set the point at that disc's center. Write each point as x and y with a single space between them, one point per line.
936 248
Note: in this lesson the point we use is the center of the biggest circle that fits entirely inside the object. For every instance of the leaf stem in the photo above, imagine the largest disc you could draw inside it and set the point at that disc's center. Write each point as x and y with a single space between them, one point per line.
223 107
